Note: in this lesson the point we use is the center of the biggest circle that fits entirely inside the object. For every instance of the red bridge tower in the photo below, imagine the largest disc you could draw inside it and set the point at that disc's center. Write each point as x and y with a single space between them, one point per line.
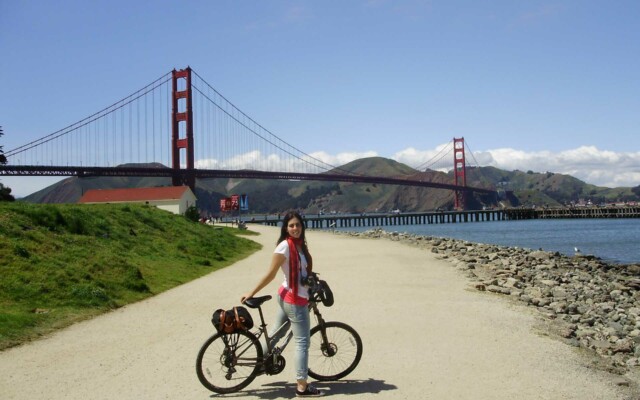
182 117
459 171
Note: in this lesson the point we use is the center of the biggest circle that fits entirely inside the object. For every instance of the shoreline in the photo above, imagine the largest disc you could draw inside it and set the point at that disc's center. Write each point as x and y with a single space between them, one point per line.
425 334
591 304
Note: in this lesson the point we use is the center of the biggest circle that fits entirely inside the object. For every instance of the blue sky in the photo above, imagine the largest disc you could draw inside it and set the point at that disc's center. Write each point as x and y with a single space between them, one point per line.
531 85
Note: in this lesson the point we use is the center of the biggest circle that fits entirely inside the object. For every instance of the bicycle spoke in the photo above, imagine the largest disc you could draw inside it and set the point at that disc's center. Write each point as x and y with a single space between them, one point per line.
338 355
227 363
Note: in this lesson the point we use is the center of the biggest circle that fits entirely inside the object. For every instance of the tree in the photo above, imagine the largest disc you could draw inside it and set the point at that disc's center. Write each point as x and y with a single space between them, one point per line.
3 159
192 214
5 192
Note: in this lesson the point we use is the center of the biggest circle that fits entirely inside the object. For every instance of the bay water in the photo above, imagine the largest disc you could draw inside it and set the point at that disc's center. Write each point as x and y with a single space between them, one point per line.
613 240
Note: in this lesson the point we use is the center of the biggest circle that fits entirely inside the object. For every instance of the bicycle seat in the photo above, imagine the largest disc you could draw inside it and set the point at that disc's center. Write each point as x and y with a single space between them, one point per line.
256 302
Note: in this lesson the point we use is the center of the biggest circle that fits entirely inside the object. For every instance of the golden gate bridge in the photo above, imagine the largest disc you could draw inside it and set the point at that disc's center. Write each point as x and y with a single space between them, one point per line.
179 126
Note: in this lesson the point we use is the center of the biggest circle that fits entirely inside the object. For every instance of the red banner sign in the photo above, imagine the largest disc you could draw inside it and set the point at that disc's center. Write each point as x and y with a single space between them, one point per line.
234 203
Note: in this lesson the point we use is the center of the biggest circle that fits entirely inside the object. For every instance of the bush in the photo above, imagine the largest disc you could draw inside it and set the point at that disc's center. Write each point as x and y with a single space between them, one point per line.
192 214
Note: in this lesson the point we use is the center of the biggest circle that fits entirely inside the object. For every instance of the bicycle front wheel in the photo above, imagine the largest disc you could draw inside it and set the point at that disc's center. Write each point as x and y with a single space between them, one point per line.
334 352
227 363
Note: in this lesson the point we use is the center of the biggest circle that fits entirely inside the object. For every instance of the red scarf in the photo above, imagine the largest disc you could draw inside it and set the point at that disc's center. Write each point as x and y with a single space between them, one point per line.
294 263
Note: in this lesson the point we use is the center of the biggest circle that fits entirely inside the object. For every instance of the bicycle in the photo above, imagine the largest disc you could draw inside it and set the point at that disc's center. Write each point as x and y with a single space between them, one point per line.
229 362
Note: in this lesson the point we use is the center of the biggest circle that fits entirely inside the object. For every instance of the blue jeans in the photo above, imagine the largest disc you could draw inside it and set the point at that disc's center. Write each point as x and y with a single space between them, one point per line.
300 325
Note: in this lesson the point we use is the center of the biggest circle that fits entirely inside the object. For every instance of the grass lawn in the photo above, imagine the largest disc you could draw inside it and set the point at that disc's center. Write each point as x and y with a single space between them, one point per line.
63 263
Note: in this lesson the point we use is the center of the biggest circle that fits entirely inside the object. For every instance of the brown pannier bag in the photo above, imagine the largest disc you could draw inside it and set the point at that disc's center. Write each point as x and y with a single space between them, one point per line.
230 321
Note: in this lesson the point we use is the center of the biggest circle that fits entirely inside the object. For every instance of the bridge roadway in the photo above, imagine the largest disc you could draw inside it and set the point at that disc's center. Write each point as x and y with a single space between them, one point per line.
444 217
183 174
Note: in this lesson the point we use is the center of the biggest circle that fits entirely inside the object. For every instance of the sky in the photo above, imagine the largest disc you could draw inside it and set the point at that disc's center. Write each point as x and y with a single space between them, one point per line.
547 85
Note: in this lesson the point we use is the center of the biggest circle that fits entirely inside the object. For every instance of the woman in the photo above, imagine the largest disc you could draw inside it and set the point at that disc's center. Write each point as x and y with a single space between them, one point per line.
292 257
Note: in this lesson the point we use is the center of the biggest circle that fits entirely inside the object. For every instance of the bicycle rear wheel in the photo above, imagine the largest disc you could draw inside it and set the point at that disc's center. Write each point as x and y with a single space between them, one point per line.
227 363
334 352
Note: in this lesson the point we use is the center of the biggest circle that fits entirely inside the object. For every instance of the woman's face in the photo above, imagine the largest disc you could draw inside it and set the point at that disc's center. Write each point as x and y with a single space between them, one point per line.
294 228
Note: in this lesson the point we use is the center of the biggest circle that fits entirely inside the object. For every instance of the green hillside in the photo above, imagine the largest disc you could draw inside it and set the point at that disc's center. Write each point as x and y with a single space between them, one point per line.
548 188
377 166
64 263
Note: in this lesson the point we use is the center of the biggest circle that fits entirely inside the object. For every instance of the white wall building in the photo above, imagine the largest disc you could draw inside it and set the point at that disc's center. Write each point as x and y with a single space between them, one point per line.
176 199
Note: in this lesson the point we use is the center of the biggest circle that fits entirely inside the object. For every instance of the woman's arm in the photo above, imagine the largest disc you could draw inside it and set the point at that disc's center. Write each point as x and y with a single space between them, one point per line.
276 262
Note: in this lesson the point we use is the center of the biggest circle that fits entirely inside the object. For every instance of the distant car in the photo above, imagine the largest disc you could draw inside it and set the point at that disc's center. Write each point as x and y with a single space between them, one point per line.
396 211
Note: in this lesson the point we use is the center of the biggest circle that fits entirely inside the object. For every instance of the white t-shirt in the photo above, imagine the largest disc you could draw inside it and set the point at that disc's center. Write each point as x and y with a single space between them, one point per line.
283 248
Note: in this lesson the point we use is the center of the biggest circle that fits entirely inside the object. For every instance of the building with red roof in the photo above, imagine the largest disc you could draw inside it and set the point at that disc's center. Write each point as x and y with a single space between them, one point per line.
176 199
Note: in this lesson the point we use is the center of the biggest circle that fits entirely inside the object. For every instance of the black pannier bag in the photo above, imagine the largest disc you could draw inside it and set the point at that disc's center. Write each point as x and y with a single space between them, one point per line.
229 321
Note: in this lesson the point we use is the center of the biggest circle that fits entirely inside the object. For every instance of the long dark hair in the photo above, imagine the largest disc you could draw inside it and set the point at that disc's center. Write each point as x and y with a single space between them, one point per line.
284 234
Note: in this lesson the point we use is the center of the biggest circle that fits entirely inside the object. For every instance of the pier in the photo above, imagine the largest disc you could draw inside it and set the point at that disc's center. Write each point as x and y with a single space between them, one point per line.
373 220
452 217
574 212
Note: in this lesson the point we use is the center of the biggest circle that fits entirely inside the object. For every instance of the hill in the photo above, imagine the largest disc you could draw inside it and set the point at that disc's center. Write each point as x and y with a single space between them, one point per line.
548 188
269 196
63 263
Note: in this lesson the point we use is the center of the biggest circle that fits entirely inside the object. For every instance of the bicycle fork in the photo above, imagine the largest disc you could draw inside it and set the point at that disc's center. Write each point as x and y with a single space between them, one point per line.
326 347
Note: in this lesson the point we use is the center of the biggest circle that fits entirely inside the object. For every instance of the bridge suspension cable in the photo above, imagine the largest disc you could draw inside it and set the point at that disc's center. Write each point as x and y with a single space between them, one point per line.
445 151
476 163
104 137
252 146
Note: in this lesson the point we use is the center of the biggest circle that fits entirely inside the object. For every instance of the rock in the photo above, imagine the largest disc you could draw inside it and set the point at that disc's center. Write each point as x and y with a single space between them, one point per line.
623 346
498 289
601 345
567 331
511 283
635 311
559 293
615 327
543 302
620 381
633 362
540 255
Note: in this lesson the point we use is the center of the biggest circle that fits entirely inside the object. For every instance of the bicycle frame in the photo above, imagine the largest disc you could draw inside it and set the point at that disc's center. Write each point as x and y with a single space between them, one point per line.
272 349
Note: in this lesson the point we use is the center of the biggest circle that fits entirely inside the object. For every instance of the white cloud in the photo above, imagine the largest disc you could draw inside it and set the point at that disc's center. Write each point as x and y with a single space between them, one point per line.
420 159
342 158
587 163
313 163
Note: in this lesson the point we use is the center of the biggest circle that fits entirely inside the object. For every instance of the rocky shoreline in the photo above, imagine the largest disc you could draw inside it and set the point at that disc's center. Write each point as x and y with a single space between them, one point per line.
592 304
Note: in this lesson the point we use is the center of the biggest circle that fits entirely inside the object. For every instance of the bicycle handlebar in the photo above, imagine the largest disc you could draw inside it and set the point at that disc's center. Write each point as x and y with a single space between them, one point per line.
319 290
